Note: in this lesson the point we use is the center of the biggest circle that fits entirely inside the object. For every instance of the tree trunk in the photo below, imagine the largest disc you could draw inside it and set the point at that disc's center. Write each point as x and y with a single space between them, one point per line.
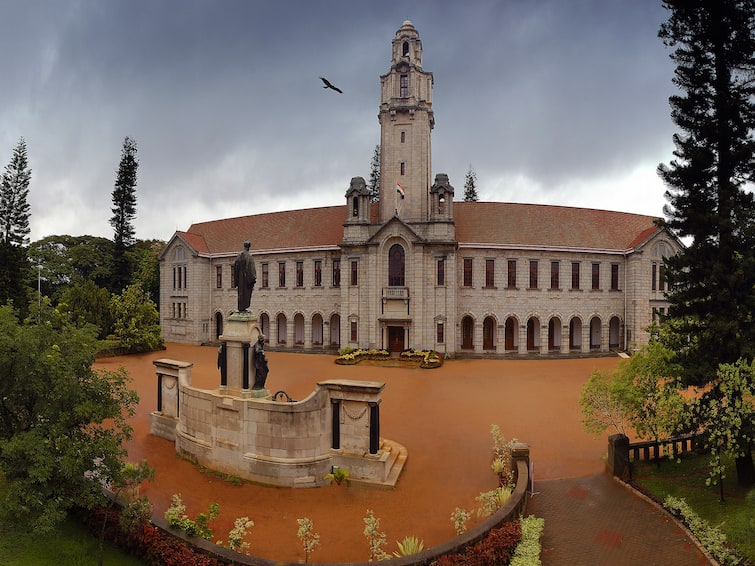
745 469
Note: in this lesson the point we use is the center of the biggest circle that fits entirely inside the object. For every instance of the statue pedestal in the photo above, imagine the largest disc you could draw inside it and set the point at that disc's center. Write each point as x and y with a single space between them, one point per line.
237 355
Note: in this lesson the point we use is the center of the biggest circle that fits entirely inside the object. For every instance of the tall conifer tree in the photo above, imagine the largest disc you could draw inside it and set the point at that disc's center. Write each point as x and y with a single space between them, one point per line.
711 317
374 184
14 208
124 211
14 228
470 186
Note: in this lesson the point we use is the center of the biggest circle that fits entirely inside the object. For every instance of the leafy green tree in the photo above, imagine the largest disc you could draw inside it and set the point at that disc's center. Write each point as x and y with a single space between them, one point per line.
136 320
656 407
62 424
712 281
604 404
14 192
144 254
712 302
642 392
86 303
470 186
13 275
726 412
137 510
68 260
373 186
124 211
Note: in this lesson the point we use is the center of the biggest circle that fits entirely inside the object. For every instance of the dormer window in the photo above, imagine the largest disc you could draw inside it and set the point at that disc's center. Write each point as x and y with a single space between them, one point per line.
404 86
405 49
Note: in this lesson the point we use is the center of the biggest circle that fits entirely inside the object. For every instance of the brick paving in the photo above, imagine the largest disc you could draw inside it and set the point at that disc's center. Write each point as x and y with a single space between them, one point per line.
443 417
596 521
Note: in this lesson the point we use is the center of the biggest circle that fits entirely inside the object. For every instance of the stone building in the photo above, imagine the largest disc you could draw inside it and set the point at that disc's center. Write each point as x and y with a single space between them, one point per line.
418 270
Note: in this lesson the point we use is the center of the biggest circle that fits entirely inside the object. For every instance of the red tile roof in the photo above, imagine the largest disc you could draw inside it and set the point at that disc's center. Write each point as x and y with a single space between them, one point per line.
491 223
500 223
311 227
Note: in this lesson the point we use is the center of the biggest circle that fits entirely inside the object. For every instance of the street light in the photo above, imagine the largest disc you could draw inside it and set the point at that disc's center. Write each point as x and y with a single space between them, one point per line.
39 291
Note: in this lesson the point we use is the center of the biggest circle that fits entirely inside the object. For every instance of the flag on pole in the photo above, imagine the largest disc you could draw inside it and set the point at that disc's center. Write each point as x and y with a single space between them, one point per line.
400 190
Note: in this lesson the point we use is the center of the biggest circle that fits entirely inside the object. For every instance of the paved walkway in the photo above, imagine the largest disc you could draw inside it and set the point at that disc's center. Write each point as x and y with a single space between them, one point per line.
596 521
443 417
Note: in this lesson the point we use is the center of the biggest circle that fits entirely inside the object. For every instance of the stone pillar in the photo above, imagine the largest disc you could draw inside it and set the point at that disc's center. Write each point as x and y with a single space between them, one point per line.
565 339
239 336
586 337
618 455
172 375
522 339
544 340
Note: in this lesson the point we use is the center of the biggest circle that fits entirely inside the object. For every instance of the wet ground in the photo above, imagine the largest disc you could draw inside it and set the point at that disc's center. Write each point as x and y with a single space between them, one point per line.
442 416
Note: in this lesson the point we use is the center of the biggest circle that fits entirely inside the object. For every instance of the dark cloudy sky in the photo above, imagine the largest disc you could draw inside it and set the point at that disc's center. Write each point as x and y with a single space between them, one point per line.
550 101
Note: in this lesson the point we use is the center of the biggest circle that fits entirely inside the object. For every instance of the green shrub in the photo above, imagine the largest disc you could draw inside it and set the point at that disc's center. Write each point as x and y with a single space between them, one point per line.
527 552
410 545
710 537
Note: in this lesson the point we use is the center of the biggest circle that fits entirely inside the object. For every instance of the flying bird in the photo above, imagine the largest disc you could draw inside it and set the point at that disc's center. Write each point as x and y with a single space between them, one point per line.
328 85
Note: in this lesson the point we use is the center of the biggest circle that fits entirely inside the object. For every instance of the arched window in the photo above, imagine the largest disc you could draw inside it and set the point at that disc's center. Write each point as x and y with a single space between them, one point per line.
405 49
396 262
265 322
554 333
575 333
317 330
467 333
595 332
299 329
614 332
488 333
355 207
282 328
335 331
511 331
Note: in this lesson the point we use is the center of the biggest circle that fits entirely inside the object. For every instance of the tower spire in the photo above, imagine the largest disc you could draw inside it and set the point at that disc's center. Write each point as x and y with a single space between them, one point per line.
406 120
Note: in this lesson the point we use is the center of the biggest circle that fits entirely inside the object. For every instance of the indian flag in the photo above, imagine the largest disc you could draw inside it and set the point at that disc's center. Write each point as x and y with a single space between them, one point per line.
400 190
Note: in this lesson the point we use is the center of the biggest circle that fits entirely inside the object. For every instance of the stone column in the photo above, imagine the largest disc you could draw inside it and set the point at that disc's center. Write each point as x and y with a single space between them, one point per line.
544 339
239 336
565 339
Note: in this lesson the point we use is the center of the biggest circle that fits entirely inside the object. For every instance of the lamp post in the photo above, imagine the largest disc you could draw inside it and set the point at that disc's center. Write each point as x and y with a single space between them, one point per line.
39 292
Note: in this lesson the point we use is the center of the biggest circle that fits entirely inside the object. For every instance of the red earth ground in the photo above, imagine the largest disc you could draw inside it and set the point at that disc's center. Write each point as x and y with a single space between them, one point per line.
442 416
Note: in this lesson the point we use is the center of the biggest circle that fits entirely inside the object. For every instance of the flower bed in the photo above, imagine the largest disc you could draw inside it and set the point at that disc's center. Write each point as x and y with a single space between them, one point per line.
351 357
427 359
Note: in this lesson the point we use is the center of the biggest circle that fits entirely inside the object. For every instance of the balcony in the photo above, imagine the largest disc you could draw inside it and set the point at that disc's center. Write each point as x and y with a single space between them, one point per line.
401 293
395 302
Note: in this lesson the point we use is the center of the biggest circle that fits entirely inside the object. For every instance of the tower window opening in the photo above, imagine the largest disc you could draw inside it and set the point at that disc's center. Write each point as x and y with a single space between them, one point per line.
404 84
403 137
405 49
403 168
355 206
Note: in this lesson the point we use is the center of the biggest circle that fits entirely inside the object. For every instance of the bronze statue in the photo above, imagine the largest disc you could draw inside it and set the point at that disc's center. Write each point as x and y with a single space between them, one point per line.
260 363
245 276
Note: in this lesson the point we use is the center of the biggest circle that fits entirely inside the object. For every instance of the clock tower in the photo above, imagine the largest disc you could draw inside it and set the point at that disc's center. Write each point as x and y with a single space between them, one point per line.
406 120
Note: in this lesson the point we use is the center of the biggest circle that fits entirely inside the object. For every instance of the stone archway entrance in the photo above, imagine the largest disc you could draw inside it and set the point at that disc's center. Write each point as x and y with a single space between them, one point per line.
396 339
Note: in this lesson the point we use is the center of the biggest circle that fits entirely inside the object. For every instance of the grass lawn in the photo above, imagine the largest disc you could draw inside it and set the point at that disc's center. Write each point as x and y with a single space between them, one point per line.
735 517
70 544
